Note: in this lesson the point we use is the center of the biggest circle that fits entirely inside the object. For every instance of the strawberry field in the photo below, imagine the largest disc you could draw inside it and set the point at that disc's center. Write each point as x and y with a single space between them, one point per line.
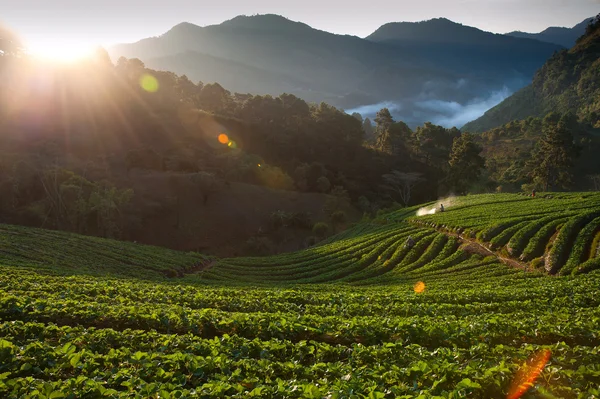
363 315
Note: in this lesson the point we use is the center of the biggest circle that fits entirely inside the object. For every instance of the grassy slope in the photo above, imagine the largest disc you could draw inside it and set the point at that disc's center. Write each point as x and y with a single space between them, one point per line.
466 335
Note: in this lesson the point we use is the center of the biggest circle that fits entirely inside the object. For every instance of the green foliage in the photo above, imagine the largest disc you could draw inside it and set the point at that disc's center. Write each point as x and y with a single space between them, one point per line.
553 157
336 200
465 163
320 229
259 245
323 184
91 317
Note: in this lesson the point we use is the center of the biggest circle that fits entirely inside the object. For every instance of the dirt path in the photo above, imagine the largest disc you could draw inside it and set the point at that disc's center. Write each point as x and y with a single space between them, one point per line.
473 247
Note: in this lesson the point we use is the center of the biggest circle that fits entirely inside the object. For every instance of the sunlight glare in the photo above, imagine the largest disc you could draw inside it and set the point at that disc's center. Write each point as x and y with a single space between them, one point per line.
419 287
223 138
60 51
528 373
149 83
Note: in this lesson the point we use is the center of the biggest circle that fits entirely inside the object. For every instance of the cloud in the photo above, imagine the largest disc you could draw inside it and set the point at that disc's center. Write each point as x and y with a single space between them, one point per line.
451 113
372 109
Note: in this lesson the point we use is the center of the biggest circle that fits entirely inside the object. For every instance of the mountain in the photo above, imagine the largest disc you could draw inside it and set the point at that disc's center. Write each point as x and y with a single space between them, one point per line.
565 37
569 81
269 54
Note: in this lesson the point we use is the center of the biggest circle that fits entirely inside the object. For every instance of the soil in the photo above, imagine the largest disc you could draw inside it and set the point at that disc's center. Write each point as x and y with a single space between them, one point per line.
473 247
223 224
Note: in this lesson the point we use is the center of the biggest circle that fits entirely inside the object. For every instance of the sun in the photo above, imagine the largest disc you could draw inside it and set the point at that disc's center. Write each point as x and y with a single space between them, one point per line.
60 50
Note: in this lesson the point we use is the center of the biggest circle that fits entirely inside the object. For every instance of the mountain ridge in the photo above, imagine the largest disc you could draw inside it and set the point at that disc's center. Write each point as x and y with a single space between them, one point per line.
346 70
563 36
568 82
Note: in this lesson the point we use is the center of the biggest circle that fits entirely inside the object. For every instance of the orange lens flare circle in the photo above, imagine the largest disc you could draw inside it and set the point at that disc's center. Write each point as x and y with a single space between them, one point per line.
530 371
419 287
223 138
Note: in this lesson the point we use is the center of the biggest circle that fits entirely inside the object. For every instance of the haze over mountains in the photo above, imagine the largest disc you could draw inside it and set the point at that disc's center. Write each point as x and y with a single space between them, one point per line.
565 37
568 82
436 70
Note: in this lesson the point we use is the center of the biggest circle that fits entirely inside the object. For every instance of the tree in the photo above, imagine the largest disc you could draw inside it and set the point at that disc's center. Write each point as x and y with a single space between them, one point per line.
337 217
465 162
10 44
553 156
368 129
336 200
320 229
383 120
206 183
434 143
383 138
323 184
402 183
357 116
595 181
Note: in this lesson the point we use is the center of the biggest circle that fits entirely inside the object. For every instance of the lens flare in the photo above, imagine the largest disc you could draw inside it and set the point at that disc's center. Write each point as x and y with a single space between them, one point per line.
528 374
149 83
223 138
259 165
419 287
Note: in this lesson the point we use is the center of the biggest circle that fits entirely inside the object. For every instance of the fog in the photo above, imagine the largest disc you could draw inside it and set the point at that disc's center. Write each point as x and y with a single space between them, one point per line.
369 111
451 113
427 108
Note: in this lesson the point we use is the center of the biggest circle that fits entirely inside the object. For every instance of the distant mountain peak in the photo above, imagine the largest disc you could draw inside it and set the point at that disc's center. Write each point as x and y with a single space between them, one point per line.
437 29
558 35
264 22
183 28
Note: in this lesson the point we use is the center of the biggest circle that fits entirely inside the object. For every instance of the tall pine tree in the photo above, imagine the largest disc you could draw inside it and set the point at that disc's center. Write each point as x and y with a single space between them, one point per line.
553 157
465 163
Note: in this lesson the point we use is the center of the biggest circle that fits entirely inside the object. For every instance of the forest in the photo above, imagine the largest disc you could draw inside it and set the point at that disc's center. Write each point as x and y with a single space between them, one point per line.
79 142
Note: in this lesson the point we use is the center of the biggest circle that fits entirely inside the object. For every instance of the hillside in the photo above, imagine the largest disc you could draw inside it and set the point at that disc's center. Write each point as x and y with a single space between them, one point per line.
565 37
84 317
276 55
569 81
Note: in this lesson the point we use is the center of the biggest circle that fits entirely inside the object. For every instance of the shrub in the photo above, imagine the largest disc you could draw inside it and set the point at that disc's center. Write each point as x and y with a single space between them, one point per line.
320 229
338 217
259 245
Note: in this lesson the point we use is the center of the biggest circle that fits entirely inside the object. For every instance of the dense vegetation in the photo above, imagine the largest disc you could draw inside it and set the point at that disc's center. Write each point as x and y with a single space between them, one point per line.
73 148
569 81
432 319
526 154
121 150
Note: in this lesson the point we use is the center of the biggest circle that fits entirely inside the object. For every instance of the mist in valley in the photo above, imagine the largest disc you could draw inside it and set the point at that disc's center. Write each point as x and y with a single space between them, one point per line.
440 110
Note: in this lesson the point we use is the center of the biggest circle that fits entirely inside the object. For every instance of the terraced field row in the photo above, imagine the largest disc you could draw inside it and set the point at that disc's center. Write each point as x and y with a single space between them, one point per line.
363 315
560 233
112 337
383 255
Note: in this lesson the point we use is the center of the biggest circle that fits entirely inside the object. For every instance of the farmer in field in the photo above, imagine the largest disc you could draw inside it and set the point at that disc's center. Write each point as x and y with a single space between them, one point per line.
409 242
533 193
441 207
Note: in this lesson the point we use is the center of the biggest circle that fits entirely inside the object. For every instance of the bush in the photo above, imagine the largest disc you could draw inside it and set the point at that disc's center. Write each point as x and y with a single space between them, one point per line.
302 220
320 229
310 241
338 217
364 204
323 184
259 245
279 219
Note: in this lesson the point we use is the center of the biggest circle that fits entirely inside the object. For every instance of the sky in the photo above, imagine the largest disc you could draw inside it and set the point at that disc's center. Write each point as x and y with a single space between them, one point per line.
106 22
